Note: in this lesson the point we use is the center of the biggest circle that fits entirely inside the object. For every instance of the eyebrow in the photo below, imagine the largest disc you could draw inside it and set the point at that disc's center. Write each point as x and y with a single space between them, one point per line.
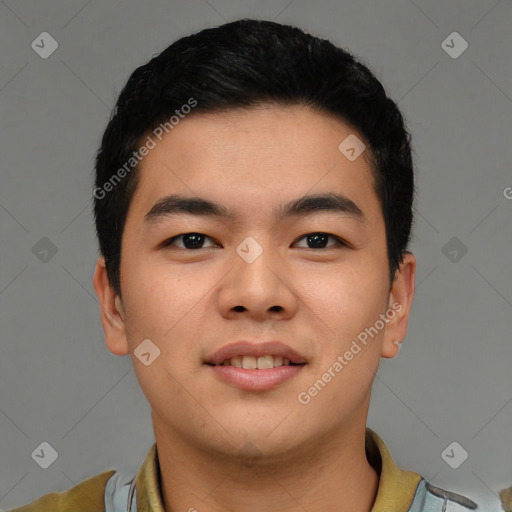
176 204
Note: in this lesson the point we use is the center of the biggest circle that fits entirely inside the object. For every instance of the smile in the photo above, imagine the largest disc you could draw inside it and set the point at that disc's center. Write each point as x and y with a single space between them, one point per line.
260 363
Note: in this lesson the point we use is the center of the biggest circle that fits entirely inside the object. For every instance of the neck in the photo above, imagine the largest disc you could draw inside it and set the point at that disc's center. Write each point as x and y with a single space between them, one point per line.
330 474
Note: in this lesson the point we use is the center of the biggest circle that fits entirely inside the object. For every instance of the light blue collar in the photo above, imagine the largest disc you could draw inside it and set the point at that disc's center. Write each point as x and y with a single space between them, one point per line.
121 496
121 493
428 498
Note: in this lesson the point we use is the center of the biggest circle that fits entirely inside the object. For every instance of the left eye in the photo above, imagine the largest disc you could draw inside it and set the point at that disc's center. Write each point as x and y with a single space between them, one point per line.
319 240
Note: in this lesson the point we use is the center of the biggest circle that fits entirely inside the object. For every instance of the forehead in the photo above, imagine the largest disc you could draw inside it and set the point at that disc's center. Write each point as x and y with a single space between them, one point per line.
254 159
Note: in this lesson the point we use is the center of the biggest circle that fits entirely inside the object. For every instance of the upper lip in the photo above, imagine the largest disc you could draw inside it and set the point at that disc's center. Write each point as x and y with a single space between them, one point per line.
247 348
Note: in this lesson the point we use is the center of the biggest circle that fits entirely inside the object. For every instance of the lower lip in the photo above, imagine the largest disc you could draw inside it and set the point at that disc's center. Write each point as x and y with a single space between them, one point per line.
256 380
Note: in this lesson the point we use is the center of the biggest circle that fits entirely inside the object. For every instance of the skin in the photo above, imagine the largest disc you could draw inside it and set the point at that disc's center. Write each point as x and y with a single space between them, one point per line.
221 448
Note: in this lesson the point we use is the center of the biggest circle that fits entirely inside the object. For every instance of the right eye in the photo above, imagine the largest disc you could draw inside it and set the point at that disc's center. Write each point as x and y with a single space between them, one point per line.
192 241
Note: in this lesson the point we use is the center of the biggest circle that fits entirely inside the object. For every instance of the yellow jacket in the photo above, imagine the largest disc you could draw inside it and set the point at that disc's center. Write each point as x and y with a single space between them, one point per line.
111 491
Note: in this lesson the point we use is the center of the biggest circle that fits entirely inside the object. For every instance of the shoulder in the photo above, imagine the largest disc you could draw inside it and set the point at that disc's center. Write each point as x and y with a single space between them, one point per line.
429 498
86 496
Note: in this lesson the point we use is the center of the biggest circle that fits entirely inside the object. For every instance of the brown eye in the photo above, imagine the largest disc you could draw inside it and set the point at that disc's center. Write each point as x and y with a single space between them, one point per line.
319 240
190 241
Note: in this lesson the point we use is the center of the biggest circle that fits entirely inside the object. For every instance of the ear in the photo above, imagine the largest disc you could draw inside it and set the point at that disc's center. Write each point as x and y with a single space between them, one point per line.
401 296
112 312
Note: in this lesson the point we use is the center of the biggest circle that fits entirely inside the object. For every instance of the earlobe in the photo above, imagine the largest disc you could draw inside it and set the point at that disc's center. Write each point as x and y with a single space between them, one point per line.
112 312
400 300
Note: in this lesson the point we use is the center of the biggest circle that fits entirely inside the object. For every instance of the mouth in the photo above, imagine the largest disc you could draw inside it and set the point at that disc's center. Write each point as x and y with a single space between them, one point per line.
257 363
248 355
256 367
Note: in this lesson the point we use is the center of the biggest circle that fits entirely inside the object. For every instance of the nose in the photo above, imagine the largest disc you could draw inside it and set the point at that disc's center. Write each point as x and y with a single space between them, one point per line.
261 289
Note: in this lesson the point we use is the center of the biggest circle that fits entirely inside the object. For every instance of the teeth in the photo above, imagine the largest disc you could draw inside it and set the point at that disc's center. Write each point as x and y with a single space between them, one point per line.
249 362
261 363
265 362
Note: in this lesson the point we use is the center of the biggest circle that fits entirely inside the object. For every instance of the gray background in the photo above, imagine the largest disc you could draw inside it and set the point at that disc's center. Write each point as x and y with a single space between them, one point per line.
452 380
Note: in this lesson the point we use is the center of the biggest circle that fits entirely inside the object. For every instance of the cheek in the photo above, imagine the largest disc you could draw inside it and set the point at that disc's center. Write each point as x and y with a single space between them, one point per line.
347 296
150 302
166 304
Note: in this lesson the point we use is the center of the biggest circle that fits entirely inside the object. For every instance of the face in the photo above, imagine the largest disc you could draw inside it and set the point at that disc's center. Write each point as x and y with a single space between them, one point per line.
314 279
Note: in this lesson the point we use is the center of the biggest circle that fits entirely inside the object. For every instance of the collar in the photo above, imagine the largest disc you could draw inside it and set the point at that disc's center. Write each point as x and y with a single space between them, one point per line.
395 492
149 498
396 486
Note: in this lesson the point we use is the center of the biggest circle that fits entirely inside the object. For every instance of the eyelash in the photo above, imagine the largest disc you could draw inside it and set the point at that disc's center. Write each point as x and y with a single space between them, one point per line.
339 241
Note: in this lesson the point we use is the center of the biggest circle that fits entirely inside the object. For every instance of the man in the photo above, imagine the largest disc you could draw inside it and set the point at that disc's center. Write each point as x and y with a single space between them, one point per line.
253 206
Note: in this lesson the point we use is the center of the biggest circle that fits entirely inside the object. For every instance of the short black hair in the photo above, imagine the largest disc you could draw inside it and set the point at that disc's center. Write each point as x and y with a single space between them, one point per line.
239 65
